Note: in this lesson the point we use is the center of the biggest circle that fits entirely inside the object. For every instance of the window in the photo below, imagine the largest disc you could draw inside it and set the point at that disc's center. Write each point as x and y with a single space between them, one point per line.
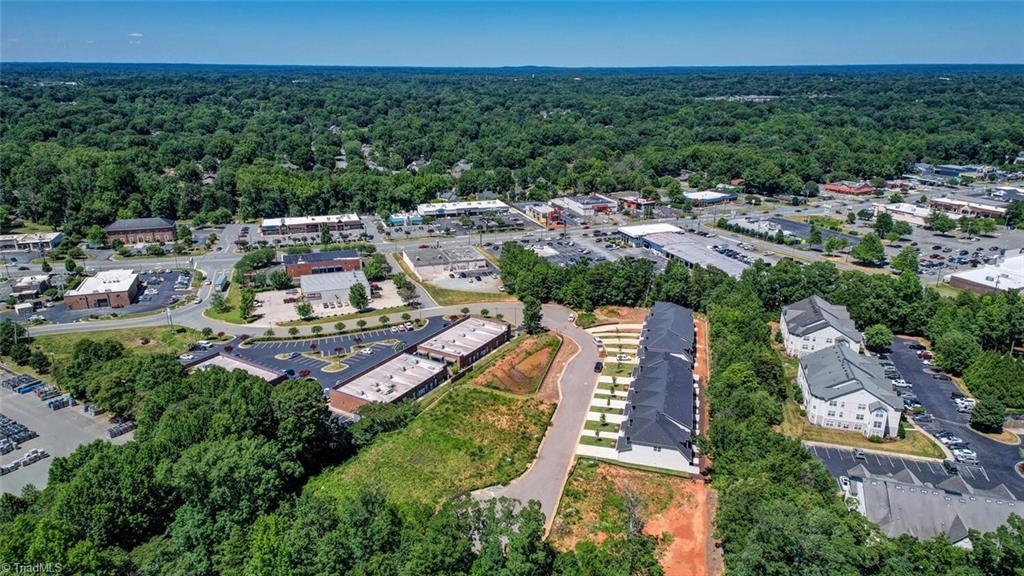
832 403
858 426
860 416
840 414
846 425
862 406
828 340
807 338
878 423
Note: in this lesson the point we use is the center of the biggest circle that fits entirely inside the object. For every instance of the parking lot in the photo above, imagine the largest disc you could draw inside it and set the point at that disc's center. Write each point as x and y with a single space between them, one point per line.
997 459
60 432
840 460
158 292
272 354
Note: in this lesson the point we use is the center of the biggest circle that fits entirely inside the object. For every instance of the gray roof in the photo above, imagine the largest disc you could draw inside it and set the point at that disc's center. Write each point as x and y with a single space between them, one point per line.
320 256
133 224
837 371
319 283
902 504
815 313
660 403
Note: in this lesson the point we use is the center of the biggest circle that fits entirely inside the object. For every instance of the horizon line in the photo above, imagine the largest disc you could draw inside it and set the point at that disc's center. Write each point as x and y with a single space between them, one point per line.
512 66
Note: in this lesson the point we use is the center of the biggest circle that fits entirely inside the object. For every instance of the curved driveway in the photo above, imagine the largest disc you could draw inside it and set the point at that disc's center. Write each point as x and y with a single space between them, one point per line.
545 478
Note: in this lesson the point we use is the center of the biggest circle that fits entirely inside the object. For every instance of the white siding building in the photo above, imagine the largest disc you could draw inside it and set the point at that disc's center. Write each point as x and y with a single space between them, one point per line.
813 324
847 391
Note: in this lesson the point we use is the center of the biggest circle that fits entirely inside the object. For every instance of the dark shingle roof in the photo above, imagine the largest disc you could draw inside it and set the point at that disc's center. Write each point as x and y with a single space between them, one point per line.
815 313
837 371
133 224
660 405
320 256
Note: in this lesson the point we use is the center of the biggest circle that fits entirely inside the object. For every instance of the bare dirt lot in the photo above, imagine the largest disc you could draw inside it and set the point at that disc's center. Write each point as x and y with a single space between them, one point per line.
548 391
676 510
520 371
621 315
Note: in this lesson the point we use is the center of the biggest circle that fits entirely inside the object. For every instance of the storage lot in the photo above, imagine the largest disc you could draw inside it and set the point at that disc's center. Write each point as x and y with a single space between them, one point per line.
60 432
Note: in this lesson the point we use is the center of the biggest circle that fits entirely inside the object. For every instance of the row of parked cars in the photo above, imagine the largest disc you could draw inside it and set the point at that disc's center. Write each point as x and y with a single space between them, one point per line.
961 450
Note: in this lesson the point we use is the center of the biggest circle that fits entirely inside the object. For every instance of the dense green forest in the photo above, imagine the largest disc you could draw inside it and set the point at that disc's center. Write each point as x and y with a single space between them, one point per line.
140 140
778 510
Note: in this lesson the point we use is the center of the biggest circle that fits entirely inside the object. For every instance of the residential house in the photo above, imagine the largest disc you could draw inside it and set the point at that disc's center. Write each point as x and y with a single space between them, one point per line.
813 324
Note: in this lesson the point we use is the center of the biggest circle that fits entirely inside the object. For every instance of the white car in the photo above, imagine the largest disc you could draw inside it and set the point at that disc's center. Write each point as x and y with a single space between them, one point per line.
844 482
622 357
950 439
187 357
901 383
572 317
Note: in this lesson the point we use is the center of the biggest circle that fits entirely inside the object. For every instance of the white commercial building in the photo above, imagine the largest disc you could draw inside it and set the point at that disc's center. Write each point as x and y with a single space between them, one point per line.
441 209
430 263
309 224
813 324
847 391
1006 275
28 242
333 286
633 235
904 212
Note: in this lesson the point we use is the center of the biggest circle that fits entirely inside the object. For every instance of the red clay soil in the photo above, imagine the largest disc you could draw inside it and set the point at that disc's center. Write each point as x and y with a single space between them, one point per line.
621 315
688 522
518 371
548 391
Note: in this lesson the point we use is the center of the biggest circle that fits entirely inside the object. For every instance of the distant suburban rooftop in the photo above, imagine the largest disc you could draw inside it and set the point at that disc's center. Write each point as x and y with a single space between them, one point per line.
815 313
307 220
707 195
689 249
641 230
477 205
1006 275
465 337
119 280
230 363
443 255
134 224
902 504
836 371
392 379
30 237
320 256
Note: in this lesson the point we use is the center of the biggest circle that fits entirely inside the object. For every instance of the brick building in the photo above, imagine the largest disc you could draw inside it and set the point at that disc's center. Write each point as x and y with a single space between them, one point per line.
142 230
107 289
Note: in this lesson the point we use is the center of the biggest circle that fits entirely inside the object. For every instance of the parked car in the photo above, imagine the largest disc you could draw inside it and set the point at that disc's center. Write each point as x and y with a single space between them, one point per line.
950 467
598 367
924 418
187 357
858 454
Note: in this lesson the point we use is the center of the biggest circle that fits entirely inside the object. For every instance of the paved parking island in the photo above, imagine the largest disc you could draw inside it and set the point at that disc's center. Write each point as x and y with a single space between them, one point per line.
274 354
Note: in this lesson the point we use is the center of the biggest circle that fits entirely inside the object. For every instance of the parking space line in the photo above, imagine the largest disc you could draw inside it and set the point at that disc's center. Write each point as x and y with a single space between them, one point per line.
985 474
968 470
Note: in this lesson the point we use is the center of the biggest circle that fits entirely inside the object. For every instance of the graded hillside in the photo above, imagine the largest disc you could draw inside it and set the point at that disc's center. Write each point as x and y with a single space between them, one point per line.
469 439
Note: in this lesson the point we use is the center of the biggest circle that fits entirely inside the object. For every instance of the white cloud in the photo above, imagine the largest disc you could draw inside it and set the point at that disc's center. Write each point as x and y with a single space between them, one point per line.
136 34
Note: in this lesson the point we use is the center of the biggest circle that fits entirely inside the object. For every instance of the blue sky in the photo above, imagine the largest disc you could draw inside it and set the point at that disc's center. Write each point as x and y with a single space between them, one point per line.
496 33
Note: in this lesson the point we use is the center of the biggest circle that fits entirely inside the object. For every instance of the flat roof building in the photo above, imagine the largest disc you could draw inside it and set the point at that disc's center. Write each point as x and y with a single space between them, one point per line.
632 235
690 251
969 207
107 289
904 212
332 286
467 208
586 206
403 377
29 242
298 265
709 197
231 363
467 341
430 263
30 286
1007 275
142 230
309 224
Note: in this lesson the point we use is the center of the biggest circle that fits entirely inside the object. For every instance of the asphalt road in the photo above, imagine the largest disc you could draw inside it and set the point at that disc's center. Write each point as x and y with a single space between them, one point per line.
997 459
545 478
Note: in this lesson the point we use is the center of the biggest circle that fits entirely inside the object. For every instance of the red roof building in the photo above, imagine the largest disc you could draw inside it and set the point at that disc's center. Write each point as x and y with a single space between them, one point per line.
854 188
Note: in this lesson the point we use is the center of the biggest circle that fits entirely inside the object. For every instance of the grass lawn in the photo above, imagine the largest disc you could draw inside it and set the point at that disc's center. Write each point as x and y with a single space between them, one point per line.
616 369
149 339
606 410
232 316
394 314
608 427
796 426
522 368
31 228
603 441
472 438
946 290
